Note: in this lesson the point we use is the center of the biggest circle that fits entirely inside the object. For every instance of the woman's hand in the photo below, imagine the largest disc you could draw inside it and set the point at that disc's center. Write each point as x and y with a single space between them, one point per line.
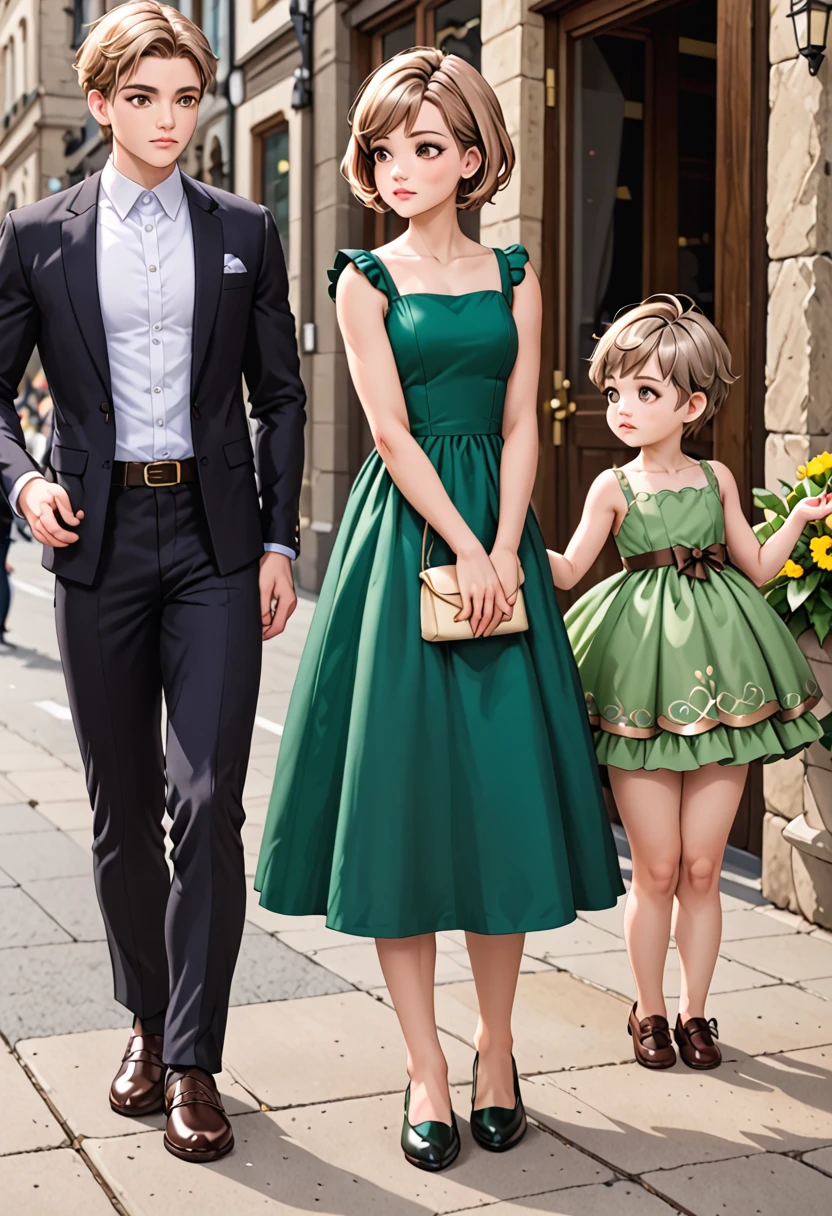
484 603
505 562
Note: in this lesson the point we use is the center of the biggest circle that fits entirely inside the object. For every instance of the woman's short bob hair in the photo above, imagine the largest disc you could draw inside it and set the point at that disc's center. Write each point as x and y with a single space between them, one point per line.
111 51
689 350
394 94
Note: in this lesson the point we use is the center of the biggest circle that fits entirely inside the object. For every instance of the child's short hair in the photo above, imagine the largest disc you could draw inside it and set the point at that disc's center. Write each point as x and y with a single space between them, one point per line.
117 41
688 348
393 94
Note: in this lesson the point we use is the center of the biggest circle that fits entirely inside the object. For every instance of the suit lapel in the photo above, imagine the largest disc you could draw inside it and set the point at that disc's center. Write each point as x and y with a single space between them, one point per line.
78 249
208 269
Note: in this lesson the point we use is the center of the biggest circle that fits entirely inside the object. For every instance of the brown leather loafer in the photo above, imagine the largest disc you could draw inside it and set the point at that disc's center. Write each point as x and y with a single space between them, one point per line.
652 1044
695 1041
198 1129
138 1087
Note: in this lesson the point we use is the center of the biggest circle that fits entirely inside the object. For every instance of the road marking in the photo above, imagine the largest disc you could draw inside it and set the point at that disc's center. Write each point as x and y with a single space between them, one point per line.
56 710
31 589
274 728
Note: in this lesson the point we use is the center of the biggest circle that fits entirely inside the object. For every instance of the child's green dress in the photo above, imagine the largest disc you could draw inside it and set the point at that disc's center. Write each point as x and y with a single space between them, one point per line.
683 667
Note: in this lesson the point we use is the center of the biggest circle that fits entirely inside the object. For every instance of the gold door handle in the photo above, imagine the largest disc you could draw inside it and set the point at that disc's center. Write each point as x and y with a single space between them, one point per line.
560 406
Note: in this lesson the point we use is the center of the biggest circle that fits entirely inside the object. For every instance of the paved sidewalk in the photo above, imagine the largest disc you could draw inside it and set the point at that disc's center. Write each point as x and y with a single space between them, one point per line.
314 1060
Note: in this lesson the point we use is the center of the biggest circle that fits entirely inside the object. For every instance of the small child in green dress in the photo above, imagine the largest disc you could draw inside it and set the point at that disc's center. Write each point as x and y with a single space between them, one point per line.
688 674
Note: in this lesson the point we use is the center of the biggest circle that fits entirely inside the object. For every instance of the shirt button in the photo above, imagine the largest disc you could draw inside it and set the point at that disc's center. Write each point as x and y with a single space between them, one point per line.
159 422
157 341
157 389
151 268
146 198
148 227
157 325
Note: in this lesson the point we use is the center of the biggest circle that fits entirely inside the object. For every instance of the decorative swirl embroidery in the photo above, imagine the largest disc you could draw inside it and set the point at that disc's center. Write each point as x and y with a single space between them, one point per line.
687 712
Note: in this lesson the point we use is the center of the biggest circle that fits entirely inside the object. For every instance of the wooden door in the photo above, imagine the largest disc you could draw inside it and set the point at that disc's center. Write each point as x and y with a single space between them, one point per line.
630 221
655 167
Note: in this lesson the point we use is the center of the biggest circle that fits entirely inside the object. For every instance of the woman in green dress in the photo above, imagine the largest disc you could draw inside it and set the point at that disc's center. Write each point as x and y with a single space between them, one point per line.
426 787
688 673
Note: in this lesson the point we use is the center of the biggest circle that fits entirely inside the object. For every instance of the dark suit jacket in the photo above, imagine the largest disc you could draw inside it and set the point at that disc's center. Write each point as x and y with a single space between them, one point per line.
242 326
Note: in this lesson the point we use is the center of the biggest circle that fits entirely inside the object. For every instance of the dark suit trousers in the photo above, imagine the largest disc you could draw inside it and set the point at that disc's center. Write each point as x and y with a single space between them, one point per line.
160 619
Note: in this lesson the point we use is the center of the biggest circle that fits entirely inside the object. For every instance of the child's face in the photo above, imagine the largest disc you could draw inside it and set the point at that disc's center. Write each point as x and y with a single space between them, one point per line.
153 115
645 409
418 172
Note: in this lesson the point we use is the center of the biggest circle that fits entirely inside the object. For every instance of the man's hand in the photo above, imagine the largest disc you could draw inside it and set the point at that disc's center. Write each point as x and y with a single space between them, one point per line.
277 593
38 501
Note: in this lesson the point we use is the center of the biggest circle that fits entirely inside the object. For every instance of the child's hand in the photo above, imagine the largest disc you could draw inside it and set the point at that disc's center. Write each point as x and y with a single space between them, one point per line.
814 508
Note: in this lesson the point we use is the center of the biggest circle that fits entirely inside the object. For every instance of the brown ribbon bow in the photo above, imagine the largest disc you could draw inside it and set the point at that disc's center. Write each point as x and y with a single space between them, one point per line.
696 563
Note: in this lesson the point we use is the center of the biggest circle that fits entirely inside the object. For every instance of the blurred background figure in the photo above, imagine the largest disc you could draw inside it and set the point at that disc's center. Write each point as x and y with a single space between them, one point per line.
6 518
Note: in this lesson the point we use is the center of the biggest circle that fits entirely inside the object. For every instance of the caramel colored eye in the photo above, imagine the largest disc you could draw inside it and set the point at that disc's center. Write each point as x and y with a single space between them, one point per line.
612 395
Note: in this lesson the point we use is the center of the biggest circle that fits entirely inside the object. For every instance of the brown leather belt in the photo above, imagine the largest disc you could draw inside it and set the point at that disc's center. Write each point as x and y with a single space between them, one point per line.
695 562
156 474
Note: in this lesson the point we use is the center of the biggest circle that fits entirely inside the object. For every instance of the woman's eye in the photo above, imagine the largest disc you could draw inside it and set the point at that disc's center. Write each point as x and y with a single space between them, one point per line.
188 102
429 151
139 100
379 155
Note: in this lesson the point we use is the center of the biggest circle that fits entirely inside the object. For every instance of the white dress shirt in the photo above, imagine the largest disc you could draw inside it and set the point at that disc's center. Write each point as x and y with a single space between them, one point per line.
145 263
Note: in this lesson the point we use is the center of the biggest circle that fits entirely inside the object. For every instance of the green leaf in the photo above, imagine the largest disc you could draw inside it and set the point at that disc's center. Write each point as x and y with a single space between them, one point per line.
821 617
763 531
798 623
787 485
825 596
770 502
777 598
799 589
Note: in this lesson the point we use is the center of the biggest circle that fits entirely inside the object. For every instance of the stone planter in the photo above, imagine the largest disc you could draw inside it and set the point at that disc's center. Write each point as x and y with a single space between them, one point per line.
809 833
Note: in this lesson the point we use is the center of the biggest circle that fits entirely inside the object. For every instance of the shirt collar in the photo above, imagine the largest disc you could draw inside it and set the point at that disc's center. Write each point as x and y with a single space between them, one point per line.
124 193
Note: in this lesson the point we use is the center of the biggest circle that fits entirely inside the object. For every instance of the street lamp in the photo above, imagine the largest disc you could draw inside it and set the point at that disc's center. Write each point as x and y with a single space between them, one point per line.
811 26
300 12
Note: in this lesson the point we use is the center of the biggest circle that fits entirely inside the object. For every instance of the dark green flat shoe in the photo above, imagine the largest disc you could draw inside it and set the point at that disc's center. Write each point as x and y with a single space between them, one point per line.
430 1145
498 1128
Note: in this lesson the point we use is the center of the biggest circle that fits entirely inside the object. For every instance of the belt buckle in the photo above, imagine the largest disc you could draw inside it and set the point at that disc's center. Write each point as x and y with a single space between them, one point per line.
153 471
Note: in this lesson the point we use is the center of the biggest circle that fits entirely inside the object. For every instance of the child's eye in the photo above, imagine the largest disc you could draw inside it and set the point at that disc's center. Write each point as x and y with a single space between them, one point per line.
429 151
646 394
612 395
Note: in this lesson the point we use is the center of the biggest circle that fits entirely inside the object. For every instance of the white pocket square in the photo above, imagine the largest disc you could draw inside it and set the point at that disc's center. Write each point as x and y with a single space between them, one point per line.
232 264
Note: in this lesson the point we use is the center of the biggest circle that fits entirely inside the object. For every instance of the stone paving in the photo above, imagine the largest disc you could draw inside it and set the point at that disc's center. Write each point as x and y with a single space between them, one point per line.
314 1064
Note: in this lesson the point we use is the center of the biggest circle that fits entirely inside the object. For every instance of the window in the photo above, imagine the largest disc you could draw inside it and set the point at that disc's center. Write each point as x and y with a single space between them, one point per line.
456 30
274 183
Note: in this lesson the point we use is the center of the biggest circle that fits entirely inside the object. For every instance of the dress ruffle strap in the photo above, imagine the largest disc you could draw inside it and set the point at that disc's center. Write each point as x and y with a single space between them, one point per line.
512 268
367 264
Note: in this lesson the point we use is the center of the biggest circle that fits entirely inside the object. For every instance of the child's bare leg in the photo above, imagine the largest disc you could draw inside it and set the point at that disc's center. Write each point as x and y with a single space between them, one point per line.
495 962
649 804
710 797
409 966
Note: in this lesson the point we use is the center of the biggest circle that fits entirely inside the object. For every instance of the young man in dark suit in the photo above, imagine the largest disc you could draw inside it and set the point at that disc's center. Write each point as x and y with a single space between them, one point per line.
150 296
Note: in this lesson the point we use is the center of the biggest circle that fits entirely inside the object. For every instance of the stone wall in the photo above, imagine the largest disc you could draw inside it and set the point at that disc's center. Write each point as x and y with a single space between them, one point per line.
513 64
798 413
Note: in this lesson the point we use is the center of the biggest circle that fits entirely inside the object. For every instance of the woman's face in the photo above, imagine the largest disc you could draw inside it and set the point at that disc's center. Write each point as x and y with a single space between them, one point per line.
646 409
419 172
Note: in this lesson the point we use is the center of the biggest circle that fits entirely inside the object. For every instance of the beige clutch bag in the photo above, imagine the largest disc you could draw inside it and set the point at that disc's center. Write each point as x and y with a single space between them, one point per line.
441 602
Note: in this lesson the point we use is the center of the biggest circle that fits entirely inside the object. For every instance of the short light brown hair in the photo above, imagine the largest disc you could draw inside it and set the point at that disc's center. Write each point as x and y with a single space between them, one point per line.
393 94
117 41
689 350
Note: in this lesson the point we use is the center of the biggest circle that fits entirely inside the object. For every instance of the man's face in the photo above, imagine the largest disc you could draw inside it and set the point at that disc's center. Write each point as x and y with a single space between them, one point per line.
154 113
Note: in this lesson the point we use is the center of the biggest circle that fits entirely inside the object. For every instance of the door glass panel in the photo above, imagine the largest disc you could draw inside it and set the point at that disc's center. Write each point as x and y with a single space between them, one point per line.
697 153
457 27
608 202
400 39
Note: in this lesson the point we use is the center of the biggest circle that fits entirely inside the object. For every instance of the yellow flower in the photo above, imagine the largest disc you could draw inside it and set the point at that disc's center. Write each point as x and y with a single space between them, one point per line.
792 570
821 556
816 466
826 457
828 522
801 472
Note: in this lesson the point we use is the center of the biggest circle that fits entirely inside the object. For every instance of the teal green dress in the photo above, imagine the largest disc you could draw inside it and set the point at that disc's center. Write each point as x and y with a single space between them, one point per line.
678 671
433 786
